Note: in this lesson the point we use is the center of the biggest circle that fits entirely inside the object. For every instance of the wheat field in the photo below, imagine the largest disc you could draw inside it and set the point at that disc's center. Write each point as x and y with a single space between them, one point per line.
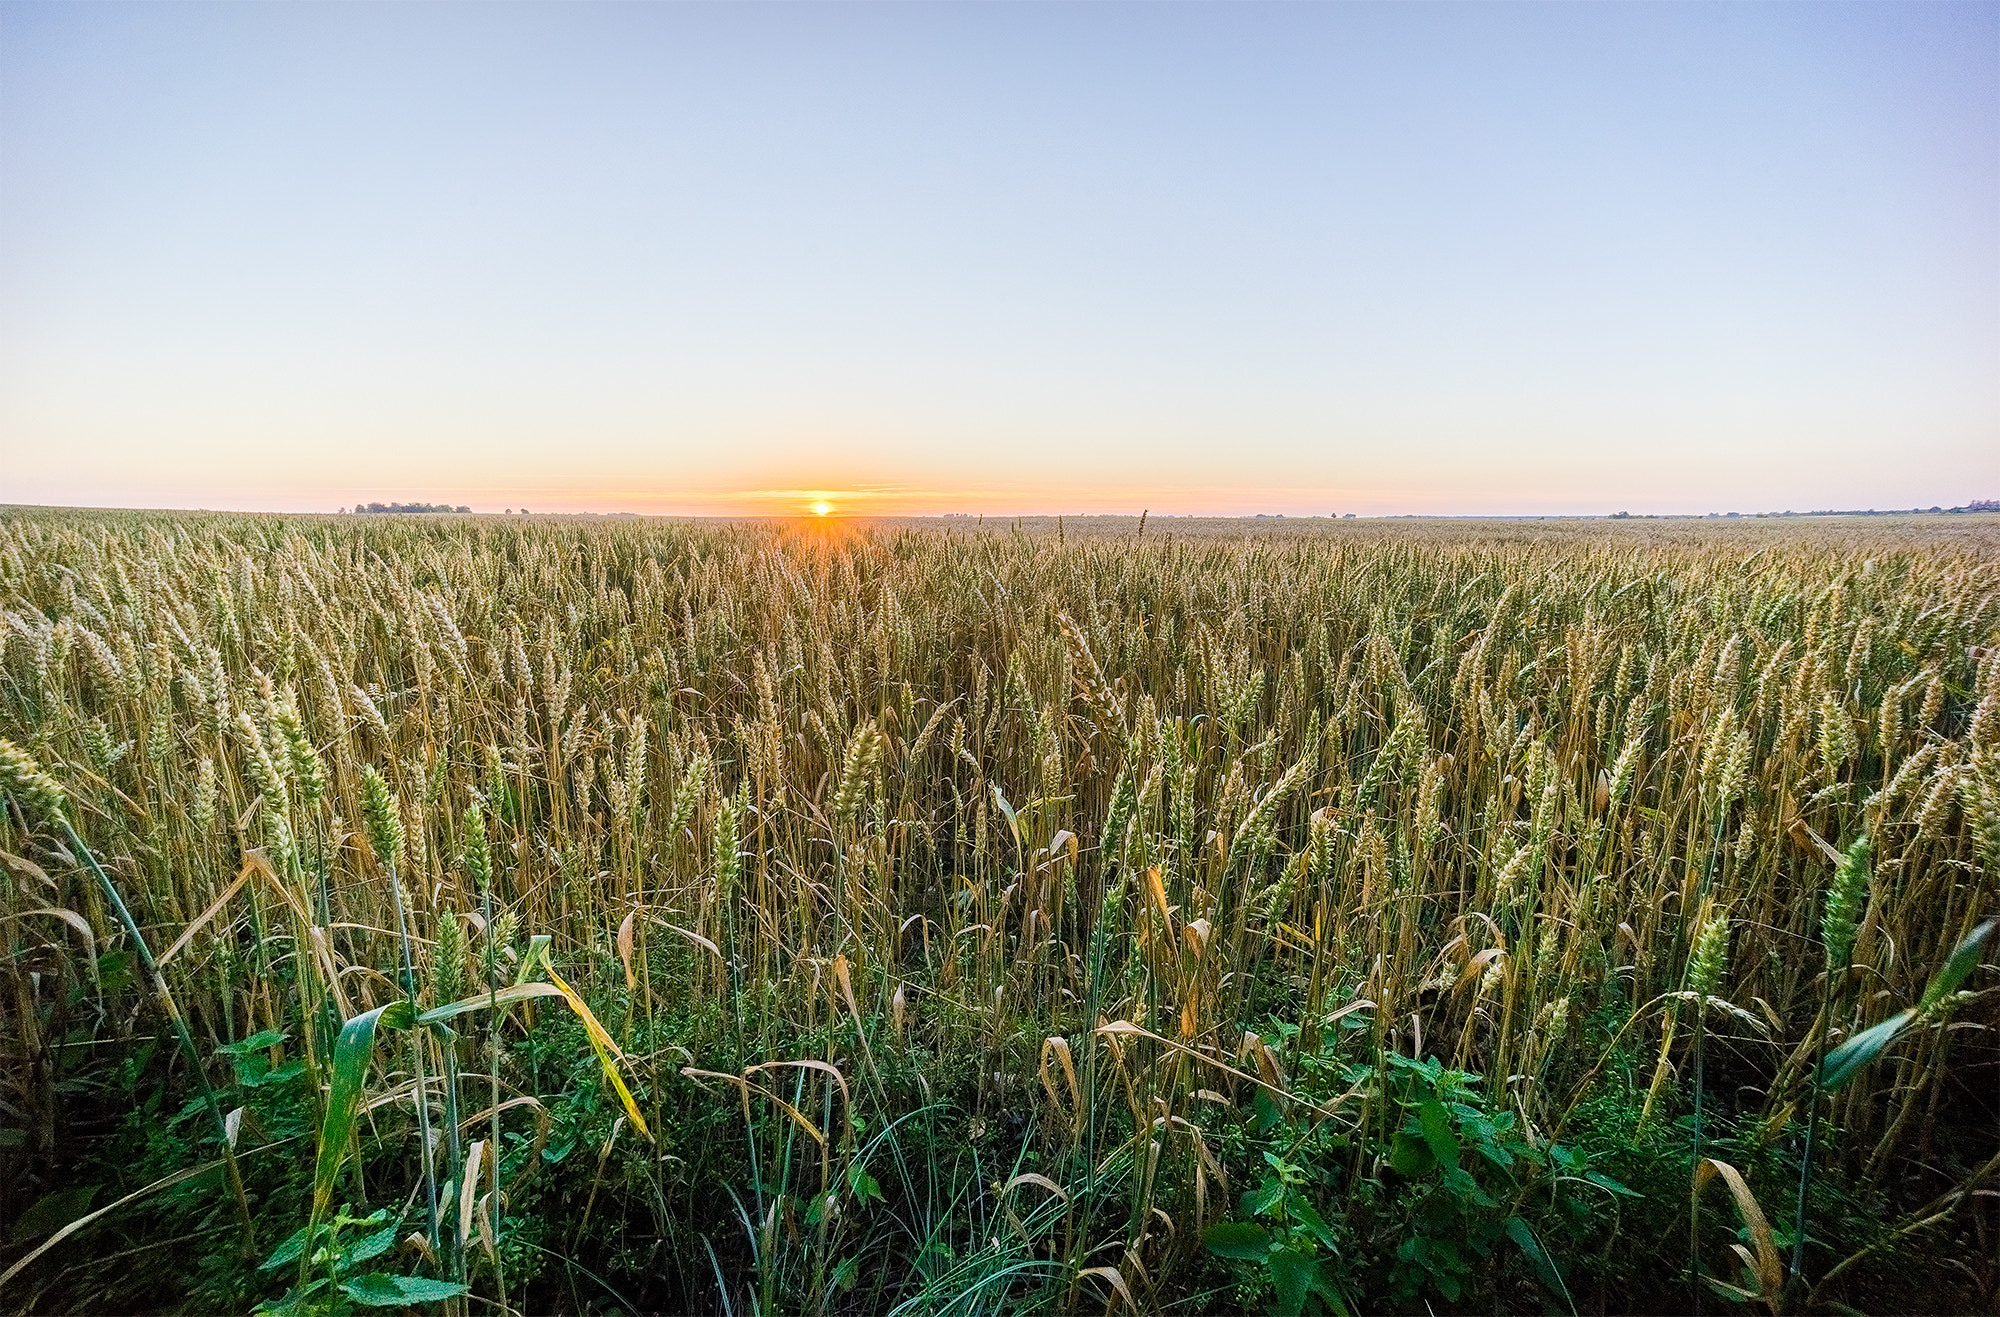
562 915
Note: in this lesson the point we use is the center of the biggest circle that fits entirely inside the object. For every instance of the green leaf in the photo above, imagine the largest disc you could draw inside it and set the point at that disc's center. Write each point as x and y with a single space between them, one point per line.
1846 1061
1329 1294
864 1186
847 1273
536 959
1518 1231
53 1211
1267 1111
1436 1122
299 1301
1411 1156
114 970
1264 1197
1013 821
350 1071
286 1252
1463 1187
256 1042
1296 1276
378 1290
1963 958
1243 1240
496 1000
372 1246
283 1074
1604 1181
1309 1216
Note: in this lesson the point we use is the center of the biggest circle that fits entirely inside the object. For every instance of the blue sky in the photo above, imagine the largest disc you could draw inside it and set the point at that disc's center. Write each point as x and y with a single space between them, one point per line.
1192 258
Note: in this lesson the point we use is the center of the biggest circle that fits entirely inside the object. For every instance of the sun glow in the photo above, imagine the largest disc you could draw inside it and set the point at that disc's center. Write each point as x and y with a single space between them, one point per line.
821 508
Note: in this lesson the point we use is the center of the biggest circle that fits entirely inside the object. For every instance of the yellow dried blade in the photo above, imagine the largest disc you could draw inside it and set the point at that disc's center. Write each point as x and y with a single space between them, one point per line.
608 1054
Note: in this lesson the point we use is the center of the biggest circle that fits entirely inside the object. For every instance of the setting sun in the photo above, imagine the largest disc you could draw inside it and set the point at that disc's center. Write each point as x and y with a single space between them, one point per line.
822 508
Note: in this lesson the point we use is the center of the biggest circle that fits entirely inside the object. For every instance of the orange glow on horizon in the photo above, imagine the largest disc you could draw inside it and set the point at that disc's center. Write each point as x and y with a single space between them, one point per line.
861 501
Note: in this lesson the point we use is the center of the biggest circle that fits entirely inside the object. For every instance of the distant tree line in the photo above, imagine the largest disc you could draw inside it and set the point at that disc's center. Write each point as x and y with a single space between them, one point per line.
409 507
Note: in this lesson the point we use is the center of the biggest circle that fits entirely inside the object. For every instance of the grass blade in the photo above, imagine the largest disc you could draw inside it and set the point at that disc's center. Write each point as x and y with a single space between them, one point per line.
351 1053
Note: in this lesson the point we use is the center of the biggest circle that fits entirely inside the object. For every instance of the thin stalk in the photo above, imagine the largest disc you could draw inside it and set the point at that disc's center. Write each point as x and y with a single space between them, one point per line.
416 1057
1700 1054
493 1144
448 1048
1694 1200
166 998
1796 1272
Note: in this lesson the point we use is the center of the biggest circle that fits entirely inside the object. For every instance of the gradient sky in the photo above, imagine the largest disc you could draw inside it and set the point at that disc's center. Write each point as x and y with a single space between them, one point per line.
1005 258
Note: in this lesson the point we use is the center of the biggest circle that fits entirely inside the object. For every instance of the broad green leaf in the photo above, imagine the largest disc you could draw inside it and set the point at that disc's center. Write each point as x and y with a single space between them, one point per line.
536 959
1309 1216
350 1071
283 1074
1846 1061
1466 1189
1296 1276
504 997
1518 1231
1244 1240
114 970
864 1186
256 1042
1013 822
1436 1122
1963 958
379 1290
286 1252
373 1246
1330 1294
1411 1156
1267 1111
299 1301
53 1211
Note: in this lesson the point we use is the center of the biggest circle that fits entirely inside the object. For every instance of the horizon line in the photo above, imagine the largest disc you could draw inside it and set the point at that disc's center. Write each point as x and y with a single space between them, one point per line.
1970 507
